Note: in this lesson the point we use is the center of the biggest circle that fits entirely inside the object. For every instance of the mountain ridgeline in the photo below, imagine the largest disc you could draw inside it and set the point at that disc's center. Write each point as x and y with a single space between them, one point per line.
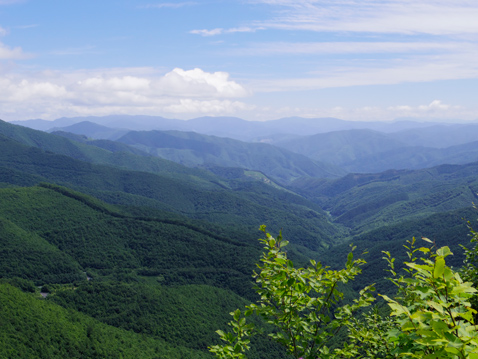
141 232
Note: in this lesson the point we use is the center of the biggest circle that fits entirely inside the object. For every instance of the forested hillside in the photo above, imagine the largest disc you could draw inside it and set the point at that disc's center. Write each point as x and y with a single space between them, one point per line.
134 253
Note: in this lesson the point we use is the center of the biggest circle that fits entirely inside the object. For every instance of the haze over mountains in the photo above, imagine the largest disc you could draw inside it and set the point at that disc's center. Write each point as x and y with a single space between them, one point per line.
231 127
329 147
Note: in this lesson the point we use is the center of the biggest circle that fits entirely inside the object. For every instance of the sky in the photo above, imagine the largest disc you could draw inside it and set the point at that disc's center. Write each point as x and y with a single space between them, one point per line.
360 60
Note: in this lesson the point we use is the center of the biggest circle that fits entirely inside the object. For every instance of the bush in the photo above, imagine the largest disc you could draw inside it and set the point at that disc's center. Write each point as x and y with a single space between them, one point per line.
431 315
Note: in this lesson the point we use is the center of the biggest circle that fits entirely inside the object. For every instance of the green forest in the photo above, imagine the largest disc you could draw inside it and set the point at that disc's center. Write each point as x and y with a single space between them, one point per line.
109 251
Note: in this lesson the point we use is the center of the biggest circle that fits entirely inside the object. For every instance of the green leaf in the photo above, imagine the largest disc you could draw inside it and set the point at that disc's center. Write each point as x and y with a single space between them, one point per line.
237 348
283 243
444 251
439 267
236 314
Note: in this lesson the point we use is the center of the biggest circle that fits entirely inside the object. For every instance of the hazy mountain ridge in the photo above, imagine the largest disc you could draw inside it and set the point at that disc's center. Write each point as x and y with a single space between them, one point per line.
352 146
232 127
193 149
372 151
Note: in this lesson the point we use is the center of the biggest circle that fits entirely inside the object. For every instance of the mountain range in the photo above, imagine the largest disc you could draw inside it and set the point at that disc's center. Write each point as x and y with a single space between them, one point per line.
335 146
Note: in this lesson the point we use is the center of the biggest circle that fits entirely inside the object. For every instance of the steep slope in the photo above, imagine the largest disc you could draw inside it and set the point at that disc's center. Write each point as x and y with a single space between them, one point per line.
34 328
367 201
158 277
193 149
84 235
27 255
102 152
243 204
445 229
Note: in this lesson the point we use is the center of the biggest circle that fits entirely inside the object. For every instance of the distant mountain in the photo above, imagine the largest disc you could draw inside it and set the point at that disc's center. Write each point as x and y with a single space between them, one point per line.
371 151
439 136
193 149
232 127
414 157
340 147
92 130
114 121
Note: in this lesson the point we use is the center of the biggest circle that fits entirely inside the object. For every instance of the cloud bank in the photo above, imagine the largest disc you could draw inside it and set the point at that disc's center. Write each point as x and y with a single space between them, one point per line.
142 91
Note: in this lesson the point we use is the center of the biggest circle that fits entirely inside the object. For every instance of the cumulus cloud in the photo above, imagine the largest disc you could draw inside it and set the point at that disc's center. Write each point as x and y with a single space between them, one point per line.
53 94
197 82
8 53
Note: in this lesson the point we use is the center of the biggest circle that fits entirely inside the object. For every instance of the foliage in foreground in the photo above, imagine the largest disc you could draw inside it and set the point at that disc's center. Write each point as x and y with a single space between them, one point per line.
431 315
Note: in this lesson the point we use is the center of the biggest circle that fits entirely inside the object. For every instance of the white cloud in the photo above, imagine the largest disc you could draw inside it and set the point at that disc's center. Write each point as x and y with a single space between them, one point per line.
8 53
219 31
54 94
125 83
344 73
197 83
205 32
376 16
215 107
347 47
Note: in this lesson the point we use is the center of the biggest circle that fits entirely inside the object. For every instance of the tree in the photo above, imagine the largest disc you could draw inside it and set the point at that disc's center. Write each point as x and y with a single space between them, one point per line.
305 305
431 315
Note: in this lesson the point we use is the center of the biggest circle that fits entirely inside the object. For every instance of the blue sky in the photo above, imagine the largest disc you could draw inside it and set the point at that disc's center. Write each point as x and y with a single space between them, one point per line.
255 59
